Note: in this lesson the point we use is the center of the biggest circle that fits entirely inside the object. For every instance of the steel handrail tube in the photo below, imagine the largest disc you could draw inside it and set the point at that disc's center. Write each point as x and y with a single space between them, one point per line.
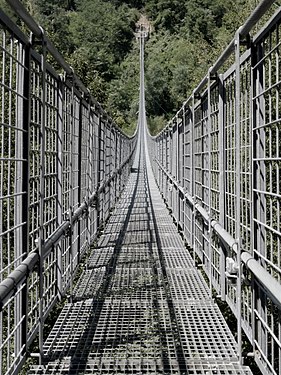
264 278
243 31
80 211
37 31
56 237
224 236
25 16
272 286
259 11
9 285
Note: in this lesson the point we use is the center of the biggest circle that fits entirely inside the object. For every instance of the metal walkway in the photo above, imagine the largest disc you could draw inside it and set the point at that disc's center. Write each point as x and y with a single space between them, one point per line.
140 306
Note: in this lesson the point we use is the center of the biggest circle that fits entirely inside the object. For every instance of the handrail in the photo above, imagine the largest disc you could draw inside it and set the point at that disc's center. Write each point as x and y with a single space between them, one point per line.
265 279
243 32
10 284
39 32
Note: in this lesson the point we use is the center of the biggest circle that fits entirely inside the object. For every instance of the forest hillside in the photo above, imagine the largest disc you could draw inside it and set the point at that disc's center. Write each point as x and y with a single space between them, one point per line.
97 39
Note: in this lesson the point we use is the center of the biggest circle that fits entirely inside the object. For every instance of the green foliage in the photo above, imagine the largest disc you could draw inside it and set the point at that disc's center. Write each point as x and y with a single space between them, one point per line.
156 124
97 39
204 18
189 37
123 93
166 14
102 34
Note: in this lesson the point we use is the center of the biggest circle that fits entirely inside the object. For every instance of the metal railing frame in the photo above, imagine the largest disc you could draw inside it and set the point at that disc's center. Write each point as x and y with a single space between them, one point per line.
263 282
16 287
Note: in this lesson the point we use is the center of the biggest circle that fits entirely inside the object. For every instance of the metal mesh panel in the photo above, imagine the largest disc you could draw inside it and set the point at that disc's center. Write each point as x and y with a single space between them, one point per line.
13 193
84 175
12 329
266 191
245 161
214 151
12 155
66 263
214 186
66 164
198 149
267 340
230 164
51 155
267 155
35 146
204 140
49 281
221 159
49 168
33 304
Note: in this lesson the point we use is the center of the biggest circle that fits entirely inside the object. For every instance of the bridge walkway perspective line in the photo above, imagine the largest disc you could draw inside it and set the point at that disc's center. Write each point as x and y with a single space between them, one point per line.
140 306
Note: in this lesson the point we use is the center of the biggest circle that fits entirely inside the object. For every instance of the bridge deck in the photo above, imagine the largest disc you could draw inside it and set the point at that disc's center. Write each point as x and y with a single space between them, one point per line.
140 307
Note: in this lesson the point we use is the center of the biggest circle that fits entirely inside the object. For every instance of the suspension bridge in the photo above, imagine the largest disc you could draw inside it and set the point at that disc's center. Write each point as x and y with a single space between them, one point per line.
137 239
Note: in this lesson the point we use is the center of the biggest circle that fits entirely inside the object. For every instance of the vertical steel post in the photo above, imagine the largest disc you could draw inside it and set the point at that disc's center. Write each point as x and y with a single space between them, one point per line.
59 181
222 182
192 171
259 185
89 169
253 117
110 188
80 164
42 196
117 163
238 192
162 162
25 187
18 198
182 164
209 130
71 185
99 172
179 166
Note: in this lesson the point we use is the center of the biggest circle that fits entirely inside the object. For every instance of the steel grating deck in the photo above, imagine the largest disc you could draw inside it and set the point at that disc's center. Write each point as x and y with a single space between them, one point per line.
140 306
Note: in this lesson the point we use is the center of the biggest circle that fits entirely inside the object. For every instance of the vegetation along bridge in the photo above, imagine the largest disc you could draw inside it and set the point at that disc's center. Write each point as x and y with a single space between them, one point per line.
130 245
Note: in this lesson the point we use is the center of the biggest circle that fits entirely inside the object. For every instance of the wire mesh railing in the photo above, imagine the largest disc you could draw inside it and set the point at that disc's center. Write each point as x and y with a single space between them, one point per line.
63 164
217 164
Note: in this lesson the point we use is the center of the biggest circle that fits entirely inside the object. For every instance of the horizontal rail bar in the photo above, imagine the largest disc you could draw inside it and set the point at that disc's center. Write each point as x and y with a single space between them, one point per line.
264 278
255 16
11 283
223 57
38 32
218 228
5 20
272 286
9 286
243 32
56 237
80 211
224 235
25 16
